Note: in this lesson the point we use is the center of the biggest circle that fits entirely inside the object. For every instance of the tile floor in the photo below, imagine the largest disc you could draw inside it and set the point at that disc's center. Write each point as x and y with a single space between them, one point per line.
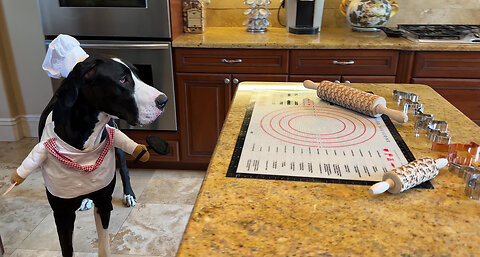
154 227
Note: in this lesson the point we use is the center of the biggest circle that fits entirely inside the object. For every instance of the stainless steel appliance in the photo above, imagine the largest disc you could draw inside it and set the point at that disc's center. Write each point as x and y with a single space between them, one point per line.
106 18
135 30
439 33
304 16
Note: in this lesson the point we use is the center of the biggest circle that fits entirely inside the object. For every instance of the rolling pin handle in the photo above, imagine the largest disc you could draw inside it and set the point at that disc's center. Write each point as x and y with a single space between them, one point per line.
310 84
381 187
395 115
440 163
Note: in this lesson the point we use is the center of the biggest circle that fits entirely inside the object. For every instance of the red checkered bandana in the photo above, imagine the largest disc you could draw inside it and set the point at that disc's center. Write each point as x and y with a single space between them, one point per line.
52 149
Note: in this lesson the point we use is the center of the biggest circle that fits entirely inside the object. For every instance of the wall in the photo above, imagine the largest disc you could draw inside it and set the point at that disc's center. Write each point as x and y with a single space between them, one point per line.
221 13
24 86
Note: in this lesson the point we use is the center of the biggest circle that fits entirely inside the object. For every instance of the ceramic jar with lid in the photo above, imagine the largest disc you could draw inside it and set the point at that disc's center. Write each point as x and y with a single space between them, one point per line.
368 15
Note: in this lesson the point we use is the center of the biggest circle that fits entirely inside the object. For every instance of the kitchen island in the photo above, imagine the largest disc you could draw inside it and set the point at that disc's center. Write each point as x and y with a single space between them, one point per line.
257 217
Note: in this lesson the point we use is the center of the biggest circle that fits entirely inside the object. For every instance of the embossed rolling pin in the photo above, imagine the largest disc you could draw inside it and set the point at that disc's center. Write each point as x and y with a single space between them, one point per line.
354 99
408 175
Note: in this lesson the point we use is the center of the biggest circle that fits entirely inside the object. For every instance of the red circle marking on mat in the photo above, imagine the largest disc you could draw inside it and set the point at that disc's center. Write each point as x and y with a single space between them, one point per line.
308 143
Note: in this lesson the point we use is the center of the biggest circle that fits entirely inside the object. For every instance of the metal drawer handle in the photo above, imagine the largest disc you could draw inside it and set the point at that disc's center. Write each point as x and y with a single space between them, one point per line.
226 81
232 61
235 81
343 63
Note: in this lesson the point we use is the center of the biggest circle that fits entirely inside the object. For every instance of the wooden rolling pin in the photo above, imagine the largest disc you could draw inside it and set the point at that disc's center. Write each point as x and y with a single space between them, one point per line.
354 99
408 175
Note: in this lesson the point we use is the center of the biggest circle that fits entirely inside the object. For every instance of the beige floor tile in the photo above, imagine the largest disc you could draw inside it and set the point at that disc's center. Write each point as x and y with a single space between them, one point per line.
44 237
152 229
179 173
139 178
19 216
172 190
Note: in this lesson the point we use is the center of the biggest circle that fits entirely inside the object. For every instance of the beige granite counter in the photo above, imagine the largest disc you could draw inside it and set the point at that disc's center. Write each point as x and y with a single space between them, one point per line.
328 38
255 217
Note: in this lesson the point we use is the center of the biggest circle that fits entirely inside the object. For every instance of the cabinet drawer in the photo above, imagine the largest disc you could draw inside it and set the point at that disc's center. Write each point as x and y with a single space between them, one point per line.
447 64
231 60
343 62
462 93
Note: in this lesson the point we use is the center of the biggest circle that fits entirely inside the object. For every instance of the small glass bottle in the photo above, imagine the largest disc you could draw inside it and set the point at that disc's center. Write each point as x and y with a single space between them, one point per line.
193 16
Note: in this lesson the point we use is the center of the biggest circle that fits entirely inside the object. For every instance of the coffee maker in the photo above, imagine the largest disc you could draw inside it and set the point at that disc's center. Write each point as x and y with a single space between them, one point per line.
304 16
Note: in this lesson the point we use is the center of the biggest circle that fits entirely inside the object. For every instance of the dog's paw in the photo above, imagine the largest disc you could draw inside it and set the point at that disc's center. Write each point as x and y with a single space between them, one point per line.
86 205
129 200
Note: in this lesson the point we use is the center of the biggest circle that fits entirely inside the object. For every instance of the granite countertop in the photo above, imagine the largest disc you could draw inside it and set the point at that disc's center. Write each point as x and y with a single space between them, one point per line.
256 217
328 38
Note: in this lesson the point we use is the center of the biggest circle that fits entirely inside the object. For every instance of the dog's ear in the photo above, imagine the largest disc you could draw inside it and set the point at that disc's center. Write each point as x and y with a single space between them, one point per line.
81 74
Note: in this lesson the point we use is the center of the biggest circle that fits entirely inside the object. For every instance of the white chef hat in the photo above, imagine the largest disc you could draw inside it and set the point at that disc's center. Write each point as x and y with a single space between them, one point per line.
63 53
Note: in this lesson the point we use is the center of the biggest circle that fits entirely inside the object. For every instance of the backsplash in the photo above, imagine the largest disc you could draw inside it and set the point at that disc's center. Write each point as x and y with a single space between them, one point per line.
222 13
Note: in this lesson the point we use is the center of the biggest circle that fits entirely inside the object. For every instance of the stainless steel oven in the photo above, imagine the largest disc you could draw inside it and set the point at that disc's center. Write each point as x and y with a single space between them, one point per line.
135 30
106 18
154 63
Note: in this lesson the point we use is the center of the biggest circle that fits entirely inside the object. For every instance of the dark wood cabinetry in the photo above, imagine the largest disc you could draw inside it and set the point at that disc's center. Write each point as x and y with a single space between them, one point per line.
344 62
454 75
206 81
367 66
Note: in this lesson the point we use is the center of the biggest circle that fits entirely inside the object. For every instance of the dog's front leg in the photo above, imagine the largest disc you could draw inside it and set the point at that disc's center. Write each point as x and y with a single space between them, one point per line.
102 219
129 198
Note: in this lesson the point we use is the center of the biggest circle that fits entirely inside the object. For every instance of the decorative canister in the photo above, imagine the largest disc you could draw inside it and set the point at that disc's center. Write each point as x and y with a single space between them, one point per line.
193 16
368 15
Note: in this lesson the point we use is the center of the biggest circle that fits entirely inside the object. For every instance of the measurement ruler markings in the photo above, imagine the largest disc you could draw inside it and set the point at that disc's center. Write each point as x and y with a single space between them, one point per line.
336 168
357 170
365 168
327 169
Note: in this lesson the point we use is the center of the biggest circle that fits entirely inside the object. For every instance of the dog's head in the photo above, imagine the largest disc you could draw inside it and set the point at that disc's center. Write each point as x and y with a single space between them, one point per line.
112 86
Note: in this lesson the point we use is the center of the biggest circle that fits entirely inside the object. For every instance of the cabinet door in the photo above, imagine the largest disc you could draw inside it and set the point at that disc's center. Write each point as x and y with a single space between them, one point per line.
369 79
462 93
203 101
237 78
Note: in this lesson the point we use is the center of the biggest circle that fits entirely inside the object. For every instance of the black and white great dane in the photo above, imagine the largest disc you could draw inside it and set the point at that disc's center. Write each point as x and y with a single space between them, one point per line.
95 91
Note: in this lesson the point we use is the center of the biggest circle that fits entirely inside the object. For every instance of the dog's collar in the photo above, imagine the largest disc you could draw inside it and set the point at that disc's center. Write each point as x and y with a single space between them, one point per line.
52 148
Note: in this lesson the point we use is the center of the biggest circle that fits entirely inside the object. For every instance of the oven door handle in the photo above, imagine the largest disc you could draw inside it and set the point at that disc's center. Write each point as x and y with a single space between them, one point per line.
125 46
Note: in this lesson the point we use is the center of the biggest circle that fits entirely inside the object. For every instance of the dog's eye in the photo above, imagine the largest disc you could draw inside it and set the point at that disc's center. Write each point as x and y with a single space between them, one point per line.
123 80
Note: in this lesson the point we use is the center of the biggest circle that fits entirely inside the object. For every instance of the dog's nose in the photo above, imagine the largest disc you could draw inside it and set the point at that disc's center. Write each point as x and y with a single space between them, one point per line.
161 101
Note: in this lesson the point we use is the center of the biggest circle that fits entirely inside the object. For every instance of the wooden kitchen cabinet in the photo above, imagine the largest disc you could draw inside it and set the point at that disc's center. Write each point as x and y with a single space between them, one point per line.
462 93
355 66
454 75
206 80
344 62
